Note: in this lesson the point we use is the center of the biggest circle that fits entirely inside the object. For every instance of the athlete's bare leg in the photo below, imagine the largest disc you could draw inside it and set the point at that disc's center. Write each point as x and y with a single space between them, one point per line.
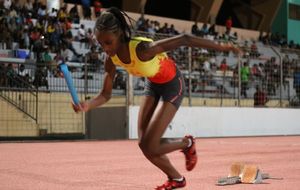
154 118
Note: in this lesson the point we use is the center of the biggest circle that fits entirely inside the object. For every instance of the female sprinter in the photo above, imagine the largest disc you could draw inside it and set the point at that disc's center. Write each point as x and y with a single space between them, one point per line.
145 58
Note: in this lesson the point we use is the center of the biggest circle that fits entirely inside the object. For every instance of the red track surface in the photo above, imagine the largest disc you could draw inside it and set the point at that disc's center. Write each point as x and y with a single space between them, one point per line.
119 165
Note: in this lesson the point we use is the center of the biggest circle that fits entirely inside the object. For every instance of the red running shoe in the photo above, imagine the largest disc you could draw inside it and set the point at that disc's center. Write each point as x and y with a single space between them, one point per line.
172 184
190 154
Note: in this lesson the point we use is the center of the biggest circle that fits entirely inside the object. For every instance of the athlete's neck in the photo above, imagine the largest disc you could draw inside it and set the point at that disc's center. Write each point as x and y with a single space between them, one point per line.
123 53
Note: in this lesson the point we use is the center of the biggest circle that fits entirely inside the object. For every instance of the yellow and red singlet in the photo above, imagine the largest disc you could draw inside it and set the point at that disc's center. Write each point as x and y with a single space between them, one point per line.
160 69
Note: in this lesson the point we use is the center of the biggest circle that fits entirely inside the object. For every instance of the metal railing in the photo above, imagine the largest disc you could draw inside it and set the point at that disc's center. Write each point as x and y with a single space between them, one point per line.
21 95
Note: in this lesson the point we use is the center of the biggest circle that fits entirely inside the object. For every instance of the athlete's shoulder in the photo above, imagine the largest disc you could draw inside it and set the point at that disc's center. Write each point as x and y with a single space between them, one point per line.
142 39
139 44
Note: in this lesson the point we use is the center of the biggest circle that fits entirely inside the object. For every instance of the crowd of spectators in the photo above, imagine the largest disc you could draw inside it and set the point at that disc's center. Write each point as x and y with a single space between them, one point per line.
153 27
276 39
47 35
210 32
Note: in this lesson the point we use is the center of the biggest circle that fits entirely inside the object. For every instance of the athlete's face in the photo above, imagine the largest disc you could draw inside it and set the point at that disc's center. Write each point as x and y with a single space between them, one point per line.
110 42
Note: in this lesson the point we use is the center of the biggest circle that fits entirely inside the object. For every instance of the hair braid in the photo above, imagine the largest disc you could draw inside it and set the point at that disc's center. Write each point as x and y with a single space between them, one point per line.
114 20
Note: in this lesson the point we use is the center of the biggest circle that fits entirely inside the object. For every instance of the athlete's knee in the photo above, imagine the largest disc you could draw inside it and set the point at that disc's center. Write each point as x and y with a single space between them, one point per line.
148 149
143 146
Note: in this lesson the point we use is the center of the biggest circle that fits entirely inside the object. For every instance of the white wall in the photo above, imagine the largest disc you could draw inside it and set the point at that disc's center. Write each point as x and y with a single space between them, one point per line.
53 4
225 122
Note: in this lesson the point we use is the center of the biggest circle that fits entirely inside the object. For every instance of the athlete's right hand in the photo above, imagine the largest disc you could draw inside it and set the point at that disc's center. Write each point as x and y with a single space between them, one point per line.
81 107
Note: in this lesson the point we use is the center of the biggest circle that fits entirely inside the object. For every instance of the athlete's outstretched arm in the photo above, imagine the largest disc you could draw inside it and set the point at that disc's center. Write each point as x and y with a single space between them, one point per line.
105 93
148 50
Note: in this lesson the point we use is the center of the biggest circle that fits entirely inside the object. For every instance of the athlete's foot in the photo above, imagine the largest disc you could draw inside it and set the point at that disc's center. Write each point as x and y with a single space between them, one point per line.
190 154
172 184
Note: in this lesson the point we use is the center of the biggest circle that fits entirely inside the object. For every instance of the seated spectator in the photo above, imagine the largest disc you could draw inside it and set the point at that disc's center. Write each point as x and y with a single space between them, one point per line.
296 84
292 44
102 58
39 25
7 4
5 38
223 65
286 67
62 13
228 23
74 14
119 81
97 7
28 6
235 78
261 70
28 21
140 84
25 39
255 71
151 29
67 40
164 29
93 59
156 26
18 5
52 13
2 75
172 30
272 76
226 35
90 40
42 11
206 66
87 13
35 39
64 52
67 25
195 29
246 49
82 35
254 50
212 30
140 23
47 59
24 74
206 69
40 78
56 61
204 30
10 75
260 97
233 37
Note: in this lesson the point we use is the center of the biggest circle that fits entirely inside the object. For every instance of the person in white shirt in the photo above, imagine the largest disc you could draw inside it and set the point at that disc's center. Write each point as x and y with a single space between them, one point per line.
81 35
65 53
28 5
52 13
42 11
7 4
24 73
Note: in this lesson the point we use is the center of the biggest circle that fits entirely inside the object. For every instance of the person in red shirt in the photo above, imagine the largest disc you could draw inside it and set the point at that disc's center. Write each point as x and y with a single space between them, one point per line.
224 66
228 23
260 97
97 7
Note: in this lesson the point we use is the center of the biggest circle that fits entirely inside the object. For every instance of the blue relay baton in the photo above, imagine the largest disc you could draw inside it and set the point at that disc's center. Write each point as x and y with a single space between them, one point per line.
68 78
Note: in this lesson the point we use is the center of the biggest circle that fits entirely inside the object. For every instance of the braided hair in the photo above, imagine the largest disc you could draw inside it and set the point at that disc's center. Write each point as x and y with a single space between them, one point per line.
113 20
